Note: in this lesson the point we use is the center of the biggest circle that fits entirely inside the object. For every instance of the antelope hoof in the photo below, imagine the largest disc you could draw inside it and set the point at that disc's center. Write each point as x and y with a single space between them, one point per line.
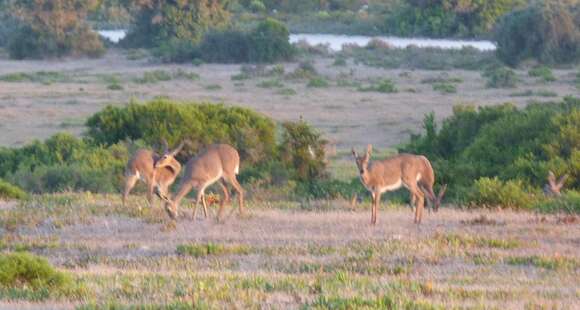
172 214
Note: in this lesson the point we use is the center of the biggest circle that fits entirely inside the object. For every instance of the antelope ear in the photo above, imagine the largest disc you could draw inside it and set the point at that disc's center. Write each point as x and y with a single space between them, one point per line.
561 181
178 149
551 178
442 192
164 145
354 153
369 149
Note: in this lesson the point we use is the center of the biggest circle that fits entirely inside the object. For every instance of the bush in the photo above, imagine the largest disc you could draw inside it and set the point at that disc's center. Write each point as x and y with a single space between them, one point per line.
493 192
318 82
445 88
384 86
302 151
500 77
174 23
27 271
545 31
270 42
9 191
542 72
252 134
504 142
38 37
64 162
569 202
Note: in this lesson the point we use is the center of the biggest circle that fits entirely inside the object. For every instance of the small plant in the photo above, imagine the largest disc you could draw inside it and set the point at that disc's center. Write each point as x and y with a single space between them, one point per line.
270 84
445 88
318 82
546 262
185 75
339 62
542 72
384 86
43 77
500 77
115 86
240 77
152 77
24 270
305 70
210 249
286 92
213 87
9 191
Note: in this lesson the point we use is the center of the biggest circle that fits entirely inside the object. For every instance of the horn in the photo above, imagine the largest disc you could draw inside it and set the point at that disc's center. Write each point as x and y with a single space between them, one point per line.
164 145
369 149
178 148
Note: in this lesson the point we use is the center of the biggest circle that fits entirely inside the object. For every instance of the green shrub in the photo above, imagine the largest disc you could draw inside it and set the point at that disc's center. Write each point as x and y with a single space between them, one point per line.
270 84
151 77
26 271
270 42
169 22
64 162
210 249
302 151
493 192
37 36
384 86
305 70
504 142
542 72
318 82
569 202
546 31
445 88
9 191
252 134
500 77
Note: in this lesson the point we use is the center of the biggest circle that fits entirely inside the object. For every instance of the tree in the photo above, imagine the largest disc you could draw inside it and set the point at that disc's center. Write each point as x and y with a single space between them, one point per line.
163 21
53 28
546 31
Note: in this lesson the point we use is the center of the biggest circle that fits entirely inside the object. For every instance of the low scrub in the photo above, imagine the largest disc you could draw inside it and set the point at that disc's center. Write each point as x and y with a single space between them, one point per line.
9 191
501 155
211 249
500 77
544 73
29 272
383 86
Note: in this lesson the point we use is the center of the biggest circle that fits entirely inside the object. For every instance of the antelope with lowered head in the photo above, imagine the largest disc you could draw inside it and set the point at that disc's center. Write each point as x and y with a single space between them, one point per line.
142 166
218 162
414 172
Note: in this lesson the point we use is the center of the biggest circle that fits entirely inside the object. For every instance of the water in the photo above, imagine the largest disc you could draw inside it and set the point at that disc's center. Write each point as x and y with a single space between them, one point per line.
335 41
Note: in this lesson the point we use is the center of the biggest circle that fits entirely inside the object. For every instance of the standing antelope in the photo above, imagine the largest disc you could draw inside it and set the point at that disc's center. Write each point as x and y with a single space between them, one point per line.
142 166
218 162
414 172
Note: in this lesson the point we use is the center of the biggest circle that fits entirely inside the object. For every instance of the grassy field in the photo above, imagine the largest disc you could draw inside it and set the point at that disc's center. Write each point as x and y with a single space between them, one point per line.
294 255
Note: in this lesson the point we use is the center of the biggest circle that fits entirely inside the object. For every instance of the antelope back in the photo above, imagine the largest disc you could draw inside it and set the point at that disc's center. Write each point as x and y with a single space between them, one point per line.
213 162
141 163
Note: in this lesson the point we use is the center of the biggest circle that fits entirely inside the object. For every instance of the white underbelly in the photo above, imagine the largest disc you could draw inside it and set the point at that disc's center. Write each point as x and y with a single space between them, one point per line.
391 187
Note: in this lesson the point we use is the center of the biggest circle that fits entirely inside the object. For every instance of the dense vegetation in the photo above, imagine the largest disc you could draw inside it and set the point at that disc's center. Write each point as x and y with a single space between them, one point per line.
35 34
501 155
548 31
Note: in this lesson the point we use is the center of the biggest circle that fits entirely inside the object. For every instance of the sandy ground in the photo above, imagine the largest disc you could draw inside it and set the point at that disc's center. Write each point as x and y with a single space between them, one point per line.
348 117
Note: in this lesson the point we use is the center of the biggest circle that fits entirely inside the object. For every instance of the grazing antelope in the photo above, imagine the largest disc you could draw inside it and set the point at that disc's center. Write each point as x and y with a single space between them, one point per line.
218 162
142 167
553 188
414 172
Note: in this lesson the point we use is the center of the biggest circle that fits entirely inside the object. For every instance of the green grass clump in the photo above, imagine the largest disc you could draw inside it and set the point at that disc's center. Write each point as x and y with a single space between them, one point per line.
213 87
270 84
552 263
24 270
210 249
539 93
318 82
185 75
151 77
445 88
544 73
9 191
44 77
568 202
384 86
115 87
286 92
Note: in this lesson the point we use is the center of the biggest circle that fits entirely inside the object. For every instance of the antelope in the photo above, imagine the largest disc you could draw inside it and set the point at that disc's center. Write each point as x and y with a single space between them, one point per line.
218 162
414 172
553 188
142 166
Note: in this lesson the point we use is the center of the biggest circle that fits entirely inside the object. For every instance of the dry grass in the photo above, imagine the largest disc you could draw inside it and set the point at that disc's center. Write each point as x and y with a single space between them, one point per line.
281 257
